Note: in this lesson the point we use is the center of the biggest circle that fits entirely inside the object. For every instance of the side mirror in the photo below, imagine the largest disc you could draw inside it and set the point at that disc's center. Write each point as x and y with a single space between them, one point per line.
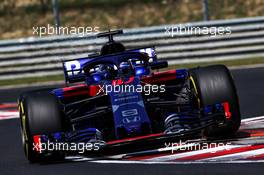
159 65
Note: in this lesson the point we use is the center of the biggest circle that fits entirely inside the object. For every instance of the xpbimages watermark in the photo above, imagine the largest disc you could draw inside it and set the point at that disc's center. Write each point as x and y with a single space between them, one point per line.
146 89
196 30
65 30
61 146
184 146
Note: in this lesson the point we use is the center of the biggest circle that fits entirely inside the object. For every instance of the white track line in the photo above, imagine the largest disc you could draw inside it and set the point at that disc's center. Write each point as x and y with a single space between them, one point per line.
171 163
4 115
253 119
236 156
192 153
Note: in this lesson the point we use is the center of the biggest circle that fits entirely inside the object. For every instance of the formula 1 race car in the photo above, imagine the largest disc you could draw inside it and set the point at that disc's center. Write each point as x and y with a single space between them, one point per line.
119 98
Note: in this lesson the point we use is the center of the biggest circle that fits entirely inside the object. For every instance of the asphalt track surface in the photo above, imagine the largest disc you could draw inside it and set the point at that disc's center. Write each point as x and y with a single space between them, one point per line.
250 85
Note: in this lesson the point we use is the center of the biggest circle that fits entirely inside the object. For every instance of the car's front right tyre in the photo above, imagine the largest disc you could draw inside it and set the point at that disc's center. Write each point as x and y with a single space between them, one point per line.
214 84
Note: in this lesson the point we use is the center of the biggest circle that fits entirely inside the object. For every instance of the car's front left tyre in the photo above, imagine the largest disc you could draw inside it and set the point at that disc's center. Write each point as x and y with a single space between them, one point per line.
40 113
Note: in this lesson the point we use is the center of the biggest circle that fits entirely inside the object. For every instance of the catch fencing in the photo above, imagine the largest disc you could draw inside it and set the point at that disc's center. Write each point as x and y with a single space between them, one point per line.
36 57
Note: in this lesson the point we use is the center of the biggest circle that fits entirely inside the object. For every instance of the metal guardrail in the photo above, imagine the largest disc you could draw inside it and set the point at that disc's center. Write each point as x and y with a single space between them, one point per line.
34 57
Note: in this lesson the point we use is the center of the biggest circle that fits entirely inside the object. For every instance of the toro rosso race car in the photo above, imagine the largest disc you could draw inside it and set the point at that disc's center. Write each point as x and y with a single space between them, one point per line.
118 98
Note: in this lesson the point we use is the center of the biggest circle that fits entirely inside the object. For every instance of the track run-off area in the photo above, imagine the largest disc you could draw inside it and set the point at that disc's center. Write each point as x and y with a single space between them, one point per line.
243 154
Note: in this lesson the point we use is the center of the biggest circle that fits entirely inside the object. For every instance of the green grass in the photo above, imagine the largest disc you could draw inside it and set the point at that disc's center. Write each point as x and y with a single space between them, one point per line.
112 14
60 77
31 80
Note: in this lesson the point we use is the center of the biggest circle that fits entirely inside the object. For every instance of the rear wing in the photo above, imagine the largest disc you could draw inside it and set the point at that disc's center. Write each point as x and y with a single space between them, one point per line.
73 69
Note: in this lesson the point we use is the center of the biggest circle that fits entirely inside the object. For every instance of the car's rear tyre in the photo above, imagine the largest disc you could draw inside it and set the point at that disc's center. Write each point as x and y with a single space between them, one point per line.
214 84
40 113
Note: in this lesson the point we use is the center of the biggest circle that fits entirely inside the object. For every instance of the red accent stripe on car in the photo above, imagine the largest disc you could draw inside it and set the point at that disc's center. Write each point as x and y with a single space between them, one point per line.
65 89
93 90
37 143
227 110
120 81
80 90
78 93
158 77
134 138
